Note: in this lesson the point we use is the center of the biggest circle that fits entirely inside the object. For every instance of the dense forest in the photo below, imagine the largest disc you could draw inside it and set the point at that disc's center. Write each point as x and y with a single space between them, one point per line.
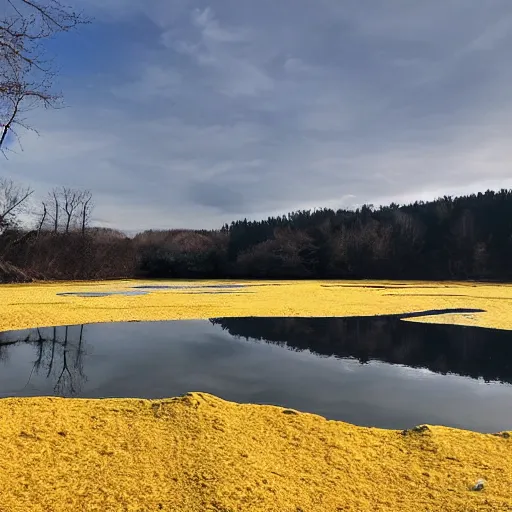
467 237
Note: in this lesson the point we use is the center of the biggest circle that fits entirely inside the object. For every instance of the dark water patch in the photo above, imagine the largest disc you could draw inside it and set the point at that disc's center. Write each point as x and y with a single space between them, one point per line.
377 371
101 294
436 312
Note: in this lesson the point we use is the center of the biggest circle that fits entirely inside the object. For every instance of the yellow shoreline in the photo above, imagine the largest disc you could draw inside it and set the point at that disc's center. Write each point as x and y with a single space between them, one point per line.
38 305
200 453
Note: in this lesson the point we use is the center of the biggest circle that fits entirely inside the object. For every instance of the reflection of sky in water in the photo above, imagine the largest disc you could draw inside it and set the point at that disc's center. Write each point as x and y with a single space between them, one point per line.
102 294
144 290
163 359
185 287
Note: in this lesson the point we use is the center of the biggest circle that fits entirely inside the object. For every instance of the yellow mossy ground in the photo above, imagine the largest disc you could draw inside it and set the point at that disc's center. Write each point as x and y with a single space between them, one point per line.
200 453
24 306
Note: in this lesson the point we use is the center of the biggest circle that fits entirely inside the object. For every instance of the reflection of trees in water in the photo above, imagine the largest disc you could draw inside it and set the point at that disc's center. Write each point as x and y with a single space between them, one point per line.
468 351
472 352
59 355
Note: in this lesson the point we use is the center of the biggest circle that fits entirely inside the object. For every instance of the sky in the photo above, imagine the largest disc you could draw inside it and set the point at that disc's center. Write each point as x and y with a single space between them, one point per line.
188 114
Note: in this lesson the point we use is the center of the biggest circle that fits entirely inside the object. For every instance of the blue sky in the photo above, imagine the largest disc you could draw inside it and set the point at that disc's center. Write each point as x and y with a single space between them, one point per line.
190 114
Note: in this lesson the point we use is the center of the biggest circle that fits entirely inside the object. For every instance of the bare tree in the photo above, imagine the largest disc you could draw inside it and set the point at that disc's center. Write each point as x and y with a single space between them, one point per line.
42 218
26 74
66 209
51 211
13 201
86 210
71 201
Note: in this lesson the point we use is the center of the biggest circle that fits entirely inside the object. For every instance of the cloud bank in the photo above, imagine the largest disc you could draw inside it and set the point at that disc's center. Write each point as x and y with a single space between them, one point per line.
184 114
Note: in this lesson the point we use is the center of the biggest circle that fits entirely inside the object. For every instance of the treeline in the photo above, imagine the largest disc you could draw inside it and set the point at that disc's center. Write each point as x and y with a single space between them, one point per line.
468 237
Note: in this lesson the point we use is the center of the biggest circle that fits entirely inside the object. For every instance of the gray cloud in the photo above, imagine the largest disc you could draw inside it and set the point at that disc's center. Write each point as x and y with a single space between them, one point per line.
209 113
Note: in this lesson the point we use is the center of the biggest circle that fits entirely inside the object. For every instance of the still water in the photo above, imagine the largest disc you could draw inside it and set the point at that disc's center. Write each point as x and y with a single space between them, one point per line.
377 371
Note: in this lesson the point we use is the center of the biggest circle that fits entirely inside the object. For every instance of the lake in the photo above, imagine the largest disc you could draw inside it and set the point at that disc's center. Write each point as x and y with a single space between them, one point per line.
371 371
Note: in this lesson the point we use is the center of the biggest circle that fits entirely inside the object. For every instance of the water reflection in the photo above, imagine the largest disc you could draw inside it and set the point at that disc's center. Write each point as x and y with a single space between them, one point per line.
186 287
101 294
471 352
59 355
144 290
374 371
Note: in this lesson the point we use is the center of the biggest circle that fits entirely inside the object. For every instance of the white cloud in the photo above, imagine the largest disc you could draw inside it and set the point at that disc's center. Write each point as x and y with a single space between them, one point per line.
243 112
227 52
492 35
212 31
154 81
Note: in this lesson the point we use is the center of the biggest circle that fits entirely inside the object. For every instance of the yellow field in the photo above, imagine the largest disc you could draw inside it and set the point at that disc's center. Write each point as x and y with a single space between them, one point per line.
24 306
199 453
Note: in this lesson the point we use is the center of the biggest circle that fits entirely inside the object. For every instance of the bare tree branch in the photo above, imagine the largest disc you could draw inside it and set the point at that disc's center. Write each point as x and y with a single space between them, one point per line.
65 210
87 207
42 218
26 75
12 201
52 207
71 202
